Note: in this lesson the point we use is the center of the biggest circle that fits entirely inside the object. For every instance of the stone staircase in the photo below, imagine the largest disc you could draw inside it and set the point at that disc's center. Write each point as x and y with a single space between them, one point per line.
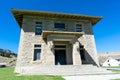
64 70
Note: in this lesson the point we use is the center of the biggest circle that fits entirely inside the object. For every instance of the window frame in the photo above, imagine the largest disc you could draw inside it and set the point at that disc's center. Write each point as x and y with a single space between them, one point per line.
59 25
38 26
37 47
78 28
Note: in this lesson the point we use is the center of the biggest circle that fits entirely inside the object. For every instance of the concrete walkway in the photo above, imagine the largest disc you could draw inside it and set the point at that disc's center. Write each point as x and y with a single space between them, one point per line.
93 77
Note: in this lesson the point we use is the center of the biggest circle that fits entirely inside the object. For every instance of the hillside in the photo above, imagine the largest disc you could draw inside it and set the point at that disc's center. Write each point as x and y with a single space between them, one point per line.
7 56
7 53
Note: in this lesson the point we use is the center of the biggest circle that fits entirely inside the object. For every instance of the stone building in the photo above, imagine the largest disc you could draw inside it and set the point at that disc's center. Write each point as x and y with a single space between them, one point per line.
54 39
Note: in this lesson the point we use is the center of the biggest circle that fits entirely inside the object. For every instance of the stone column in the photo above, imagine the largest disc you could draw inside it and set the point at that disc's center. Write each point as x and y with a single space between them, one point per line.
50 53
76 54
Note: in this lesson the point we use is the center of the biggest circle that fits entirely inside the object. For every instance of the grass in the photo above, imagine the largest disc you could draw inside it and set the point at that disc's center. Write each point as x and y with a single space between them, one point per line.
7 74
116 79
110 66
116 71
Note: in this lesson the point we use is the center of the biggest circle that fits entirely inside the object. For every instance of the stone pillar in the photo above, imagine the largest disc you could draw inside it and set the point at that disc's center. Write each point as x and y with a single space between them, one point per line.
76 54
50 59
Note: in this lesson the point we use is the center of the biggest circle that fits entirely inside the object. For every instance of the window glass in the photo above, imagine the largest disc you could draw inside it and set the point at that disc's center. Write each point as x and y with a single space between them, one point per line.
59 25
37 54
78 28
37 46
60 46
38 22
38 30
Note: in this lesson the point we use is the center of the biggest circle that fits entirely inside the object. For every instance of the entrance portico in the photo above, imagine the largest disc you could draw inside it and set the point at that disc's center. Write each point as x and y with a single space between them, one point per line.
64 50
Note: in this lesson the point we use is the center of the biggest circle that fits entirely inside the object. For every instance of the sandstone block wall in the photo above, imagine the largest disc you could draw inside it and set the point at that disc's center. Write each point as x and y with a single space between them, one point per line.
28 39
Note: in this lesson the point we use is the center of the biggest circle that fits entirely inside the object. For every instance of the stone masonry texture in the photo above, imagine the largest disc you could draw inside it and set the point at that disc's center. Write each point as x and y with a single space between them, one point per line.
28 39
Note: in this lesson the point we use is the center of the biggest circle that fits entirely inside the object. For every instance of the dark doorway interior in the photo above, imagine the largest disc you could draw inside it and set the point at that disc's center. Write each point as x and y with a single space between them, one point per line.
60 57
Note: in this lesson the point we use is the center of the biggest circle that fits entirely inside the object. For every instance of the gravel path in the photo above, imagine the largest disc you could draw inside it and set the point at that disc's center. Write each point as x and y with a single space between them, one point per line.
93 77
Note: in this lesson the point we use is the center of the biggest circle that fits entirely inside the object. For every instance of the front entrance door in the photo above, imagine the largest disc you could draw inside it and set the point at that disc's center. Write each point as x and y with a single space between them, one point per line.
60 57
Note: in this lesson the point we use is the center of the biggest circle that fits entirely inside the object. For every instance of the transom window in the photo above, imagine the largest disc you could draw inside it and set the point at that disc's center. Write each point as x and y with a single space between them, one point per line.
37 52
59 25
78 28
60 46
37 46
38 28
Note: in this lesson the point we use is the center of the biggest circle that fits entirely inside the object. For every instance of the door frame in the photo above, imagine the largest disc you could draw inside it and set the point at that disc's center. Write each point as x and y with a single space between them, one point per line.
60 49
60 57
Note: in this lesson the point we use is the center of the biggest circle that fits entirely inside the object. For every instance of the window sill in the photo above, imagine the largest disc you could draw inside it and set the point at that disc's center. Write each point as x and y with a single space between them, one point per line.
37 62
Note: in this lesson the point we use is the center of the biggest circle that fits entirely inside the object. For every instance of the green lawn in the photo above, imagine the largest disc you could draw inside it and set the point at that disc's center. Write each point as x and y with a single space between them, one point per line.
7 74
117 71
110 66
116 79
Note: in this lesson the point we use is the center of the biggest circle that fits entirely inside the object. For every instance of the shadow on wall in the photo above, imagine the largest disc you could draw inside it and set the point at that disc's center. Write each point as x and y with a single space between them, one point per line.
86 57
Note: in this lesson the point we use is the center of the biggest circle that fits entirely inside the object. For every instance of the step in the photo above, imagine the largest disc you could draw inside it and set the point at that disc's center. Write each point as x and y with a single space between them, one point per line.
64 70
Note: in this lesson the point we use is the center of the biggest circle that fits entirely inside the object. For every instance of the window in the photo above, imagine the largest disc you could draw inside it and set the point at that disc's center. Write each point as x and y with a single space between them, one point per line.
78 28
60 46
37 52
108 64
38 28
59 25
38 22
37 46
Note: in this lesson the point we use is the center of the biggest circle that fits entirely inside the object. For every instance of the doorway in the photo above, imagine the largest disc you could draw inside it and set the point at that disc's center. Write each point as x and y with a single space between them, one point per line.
60 57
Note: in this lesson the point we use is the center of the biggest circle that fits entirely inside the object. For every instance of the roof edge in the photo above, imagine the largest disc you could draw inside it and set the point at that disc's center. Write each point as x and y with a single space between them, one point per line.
18 14
60 13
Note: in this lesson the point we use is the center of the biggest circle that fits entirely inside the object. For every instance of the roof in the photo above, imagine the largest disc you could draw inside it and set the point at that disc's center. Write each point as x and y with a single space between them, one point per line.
109 54
114 57
18 14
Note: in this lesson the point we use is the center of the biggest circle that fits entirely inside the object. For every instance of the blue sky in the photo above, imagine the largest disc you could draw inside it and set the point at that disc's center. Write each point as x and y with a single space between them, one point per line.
107 31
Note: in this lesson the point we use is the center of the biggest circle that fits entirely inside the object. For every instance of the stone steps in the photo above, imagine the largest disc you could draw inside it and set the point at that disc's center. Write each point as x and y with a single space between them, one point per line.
64 70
